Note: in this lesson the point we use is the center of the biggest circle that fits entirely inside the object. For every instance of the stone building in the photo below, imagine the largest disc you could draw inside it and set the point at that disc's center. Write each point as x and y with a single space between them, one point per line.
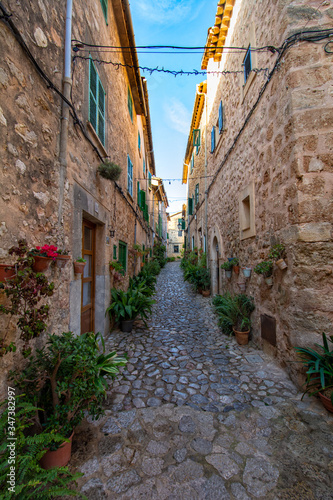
62 114
159 215
266 128
176 226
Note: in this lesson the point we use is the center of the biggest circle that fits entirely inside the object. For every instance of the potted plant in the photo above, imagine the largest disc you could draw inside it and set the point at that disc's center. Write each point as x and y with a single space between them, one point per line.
235 265
265 268
109 170
319 374
247 271
66 380
126 306
62 258
202 281
227 266
7 271
277 253
79 265
234 313
43 256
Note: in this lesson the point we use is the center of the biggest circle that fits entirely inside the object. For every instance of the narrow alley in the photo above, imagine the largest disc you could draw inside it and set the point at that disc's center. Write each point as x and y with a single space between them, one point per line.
195 416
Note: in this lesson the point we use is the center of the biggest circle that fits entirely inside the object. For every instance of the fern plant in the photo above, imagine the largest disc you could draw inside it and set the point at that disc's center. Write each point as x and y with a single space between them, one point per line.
31 481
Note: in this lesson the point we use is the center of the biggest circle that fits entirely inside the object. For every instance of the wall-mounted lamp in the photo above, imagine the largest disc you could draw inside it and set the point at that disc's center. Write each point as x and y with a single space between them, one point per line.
112 232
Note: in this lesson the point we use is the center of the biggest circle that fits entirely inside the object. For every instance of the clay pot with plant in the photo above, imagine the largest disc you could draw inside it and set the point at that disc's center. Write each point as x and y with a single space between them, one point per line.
43 256
62 258
227 266
277 254
265 268
235 265
79 265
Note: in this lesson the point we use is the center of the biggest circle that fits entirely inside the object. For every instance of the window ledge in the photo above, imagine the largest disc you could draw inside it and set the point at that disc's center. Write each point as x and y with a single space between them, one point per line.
96 139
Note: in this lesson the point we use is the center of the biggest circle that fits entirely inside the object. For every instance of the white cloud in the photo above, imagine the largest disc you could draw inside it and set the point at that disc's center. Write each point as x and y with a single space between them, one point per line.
167 11
177 115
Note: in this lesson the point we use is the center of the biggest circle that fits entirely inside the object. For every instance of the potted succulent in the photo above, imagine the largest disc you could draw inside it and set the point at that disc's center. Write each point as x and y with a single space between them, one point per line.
126 306
227 266
109 170
319 374
265 268
62 258
43 256
277 253
79 265
66 380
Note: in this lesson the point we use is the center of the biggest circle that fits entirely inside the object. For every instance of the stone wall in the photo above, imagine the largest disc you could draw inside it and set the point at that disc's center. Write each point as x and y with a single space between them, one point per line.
32 187
281 164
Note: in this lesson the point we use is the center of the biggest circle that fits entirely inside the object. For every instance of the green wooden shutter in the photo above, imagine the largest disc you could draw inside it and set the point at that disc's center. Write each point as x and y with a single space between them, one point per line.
92 94
143 199
190 206
129 176
114 251
101 113
183 224
104 4
139 194
123 255
130 103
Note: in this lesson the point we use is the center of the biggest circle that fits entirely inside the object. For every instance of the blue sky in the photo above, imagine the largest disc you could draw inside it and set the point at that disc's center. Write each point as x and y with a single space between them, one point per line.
171 99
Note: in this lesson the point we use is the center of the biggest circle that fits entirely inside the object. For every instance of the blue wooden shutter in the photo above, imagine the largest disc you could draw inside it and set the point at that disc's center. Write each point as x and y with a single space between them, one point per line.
101 113
221 117
104 4
129 176
130 103
212 142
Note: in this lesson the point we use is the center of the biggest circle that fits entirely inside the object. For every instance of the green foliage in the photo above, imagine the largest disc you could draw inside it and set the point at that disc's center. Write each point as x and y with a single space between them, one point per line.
277 252
31 481
152 267
26 291
228 265
319 366
81 259
117 266
235 261
265 268
159 254
109 170
233 311
67 377
194 269
171 259
129 305
201 278
143 282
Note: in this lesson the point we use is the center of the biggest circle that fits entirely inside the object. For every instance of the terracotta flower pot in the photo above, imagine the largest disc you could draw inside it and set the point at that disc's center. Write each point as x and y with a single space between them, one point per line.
235 269
241 337
59 457
327 403
281 263
62 260
41 264
205 293
6 272
79 267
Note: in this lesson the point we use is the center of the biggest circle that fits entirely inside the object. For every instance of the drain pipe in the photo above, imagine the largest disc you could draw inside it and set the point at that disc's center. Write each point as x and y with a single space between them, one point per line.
67 85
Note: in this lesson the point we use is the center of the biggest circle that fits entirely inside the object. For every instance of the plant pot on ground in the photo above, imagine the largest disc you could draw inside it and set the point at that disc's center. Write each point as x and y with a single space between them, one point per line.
234 313
127 306
67 379
319 374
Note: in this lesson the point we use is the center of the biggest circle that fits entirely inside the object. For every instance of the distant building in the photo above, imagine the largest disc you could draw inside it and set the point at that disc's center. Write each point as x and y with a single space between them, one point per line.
176 232
258 164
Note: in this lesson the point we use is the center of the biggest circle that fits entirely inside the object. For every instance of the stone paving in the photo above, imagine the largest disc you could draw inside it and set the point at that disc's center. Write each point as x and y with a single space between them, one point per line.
195 416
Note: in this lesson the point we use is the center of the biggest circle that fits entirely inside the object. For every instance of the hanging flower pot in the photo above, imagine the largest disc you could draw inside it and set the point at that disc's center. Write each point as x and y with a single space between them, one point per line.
269 281
281 263
41 264
242 286
109 170
79 266
247 271
62 260
6 272
235 269
228 274
59 457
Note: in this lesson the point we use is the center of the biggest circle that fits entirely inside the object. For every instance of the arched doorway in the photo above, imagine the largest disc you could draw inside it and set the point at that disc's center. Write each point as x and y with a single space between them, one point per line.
215 269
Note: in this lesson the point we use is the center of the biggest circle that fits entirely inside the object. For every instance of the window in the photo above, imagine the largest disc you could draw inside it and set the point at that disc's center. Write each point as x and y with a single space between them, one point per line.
212 140
181 223
149 180
175 248
192 242
138 193
192 163
96 103
115 252
247 212
180 234
139 142
144 166
123 255
190 206
247 64
104 4
130 103
221 118
197 194
129 176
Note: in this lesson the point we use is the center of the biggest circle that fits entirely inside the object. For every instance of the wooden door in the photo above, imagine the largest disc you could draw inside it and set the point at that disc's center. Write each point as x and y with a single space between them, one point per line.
88 277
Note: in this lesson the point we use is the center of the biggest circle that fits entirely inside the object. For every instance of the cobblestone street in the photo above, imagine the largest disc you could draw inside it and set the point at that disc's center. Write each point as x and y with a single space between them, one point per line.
195 416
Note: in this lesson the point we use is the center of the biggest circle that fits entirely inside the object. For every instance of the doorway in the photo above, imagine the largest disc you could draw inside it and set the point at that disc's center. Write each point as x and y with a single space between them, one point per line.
215 270
88 277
